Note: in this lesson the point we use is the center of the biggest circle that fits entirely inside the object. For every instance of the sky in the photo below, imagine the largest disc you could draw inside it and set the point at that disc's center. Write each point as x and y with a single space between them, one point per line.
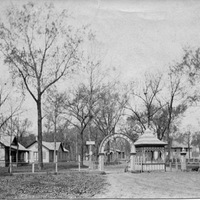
133 36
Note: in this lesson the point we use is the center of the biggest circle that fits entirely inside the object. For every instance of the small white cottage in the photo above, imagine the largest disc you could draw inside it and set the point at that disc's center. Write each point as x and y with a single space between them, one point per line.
48 152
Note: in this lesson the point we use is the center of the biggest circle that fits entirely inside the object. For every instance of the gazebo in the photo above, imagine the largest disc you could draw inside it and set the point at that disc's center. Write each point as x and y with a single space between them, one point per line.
150 152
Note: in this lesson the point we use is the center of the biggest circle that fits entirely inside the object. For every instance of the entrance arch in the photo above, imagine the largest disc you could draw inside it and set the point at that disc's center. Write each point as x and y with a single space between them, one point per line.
111 137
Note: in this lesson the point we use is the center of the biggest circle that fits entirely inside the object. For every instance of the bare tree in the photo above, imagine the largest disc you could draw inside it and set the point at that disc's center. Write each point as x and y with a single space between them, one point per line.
144 102
78 110
40 49
111 110
189 70
6 103
175 94
21 127
3 98
83 103
163 104
53 112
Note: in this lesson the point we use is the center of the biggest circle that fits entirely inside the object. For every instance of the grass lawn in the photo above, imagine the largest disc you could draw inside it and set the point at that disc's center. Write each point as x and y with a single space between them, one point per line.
64 185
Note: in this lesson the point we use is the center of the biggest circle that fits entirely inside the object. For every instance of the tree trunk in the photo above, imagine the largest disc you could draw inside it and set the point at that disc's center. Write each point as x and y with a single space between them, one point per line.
82 148
170 109
148 118
97 151
39 111
109 158
54 138
168 147
189 148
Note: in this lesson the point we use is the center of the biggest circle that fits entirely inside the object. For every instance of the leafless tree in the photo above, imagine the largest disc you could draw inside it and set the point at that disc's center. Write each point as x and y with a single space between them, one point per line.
40 49
144 102
3 98
112 106
82 103
111 109
6 113
53 112
175 94
164 100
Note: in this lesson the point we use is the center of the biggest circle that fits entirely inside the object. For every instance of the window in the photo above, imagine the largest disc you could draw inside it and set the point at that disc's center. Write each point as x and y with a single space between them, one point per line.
35 156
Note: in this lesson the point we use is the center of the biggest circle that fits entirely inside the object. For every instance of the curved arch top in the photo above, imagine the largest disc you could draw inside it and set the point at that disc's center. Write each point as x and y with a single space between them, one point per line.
113 136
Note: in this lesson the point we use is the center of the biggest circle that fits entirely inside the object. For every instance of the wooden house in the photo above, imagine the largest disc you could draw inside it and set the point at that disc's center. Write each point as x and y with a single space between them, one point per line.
48 152
19 154
177 148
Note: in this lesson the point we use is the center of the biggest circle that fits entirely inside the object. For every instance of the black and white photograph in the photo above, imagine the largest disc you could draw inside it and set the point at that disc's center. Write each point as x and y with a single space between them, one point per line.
99 99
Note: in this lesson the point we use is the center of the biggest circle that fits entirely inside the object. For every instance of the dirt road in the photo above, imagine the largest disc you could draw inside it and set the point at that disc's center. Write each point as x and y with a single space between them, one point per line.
152 185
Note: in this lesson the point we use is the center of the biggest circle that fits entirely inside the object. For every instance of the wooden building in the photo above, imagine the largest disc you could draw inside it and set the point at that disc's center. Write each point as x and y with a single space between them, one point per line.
177 148
48 152
19 154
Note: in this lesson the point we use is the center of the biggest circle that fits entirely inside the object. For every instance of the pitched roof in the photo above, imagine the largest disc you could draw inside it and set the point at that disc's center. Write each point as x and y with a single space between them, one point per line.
6 140
65 150
148 138
50 145
20 147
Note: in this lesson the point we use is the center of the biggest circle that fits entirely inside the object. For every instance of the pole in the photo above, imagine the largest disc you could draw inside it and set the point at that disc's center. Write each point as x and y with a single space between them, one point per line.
33 167
76 146
56 164
189 144
55 130
90 148
17 151
90 156
170 165
79 163
176 164
10 150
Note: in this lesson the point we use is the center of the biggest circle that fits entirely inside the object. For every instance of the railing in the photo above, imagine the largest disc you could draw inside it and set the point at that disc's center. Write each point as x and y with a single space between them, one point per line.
153 166
33 167
191 165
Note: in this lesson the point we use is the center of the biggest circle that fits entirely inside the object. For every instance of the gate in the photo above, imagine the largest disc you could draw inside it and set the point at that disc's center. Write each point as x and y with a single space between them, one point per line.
110 138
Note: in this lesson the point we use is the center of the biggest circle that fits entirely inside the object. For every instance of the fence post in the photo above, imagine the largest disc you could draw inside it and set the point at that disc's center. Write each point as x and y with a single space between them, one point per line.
183 162
170 165
176 165
10 164
33 167
56 164
132 161
79 163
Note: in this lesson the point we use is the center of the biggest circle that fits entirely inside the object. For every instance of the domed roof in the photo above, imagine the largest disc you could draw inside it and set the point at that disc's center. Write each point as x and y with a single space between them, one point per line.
149 139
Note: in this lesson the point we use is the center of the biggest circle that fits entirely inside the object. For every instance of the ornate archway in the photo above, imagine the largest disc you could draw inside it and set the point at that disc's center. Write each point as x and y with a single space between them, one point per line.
111 137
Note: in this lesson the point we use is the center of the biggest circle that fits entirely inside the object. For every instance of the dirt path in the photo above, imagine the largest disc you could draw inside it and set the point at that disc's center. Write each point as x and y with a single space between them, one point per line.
152 185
